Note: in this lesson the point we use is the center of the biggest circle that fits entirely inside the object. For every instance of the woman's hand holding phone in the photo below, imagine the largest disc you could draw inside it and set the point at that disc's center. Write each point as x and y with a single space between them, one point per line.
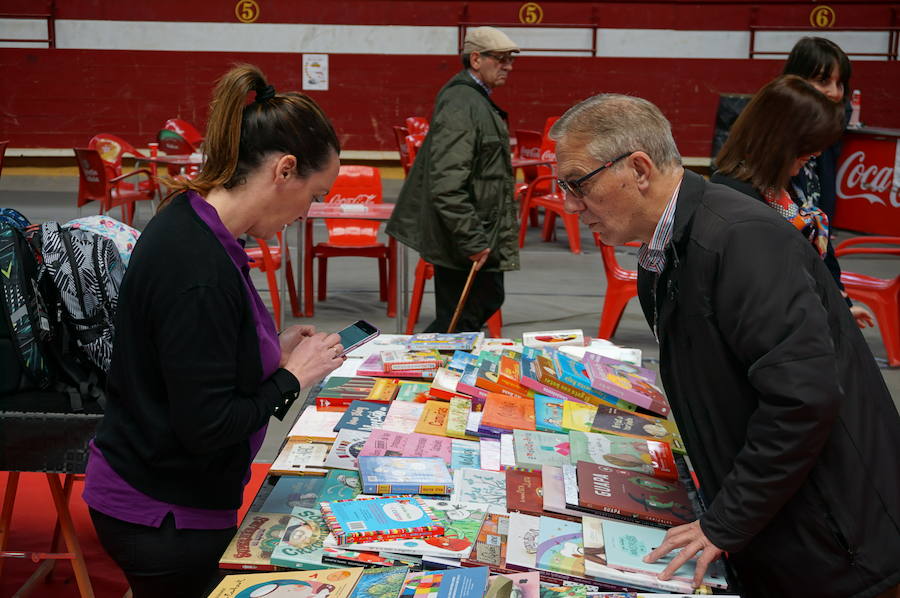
290 337
314 357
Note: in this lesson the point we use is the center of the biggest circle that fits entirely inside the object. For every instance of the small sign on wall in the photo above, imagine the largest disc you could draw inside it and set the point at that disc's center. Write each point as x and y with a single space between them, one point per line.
315 72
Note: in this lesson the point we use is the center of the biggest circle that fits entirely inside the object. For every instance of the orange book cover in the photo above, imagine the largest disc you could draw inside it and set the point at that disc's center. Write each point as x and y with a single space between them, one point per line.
488 378
508 413
434 418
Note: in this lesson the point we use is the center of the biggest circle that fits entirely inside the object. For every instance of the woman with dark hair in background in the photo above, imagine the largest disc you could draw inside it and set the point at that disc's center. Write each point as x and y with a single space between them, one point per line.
197 366
826 67
785 124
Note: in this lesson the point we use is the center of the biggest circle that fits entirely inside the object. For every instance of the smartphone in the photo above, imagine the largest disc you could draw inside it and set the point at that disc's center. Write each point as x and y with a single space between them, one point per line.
357 334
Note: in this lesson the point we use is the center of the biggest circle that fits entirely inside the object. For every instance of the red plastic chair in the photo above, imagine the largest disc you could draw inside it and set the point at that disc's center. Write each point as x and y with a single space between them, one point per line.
400 134
552 203
425 271
528 147
417 124
179 137
96 184
882 295
267 258
111 150
413 144
621 286
3 145
353 237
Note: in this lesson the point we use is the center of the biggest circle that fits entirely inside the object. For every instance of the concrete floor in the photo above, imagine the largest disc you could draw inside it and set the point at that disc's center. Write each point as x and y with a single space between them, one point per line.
554 289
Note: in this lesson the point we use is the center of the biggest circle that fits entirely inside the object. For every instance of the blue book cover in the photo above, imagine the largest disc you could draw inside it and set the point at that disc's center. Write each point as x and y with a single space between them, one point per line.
449 583
461 359
628 543
459 341
548 413
383 582
413 475
465 453
293 491
571 371
383 517
363 416
339 484
560 547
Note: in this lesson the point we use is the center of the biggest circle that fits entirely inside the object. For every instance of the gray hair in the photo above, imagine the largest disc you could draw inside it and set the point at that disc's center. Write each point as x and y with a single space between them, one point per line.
617 124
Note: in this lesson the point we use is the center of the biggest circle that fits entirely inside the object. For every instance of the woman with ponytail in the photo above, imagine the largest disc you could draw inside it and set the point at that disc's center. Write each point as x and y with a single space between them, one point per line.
198 367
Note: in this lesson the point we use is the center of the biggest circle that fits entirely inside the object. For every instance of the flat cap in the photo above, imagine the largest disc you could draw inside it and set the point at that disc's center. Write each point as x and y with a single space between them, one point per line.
488 39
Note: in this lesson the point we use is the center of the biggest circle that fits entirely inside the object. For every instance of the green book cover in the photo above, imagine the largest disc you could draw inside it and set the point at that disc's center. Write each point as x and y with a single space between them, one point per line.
340 484
535 449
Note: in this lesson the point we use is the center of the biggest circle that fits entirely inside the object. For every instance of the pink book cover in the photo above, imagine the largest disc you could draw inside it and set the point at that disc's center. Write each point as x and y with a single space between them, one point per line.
384 443
372 366
626 381
426 445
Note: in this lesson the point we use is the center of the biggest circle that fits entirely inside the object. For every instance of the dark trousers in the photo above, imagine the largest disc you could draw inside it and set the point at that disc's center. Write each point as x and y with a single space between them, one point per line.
164 561
485 298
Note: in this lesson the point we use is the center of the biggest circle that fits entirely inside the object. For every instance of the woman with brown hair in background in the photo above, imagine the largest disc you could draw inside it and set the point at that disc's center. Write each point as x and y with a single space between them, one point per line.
197 366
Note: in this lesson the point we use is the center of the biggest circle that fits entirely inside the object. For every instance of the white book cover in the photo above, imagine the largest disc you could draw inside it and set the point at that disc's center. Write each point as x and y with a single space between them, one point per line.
507 452
490 454
552 339
474 422
402 416
300 458
479 486
315 424
346 449
522 541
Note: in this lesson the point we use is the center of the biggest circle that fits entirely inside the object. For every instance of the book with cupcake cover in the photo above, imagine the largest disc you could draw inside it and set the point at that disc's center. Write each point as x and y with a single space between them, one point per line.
383 517
339 484
325 583
636 425
372 366
628 495
632 454
468 582
461 522
472 485
490 543
578 416
402 475
363 416
256 538
522 541
315 425
428 359
524 491
627 382
402 416
503 413
289 492
382 582
628 543
346 449
299 457
413 392
440 341
536 449
434 418
301 543
458 417
548 413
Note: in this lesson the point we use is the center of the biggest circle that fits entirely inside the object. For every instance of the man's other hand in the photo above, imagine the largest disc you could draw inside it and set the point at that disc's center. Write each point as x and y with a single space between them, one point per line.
480 257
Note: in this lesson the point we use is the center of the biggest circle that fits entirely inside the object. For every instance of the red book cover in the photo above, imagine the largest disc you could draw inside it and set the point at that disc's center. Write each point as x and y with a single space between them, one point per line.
510 374
629 495
524 492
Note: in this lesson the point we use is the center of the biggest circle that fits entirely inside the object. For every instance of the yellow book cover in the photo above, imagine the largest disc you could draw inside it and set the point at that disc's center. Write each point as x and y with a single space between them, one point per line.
578 416
333 583
384 390
458 418
434 418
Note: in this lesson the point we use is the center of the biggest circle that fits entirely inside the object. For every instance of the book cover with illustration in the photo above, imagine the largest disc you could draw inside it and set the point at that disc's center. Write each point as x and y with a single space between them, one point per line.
346 448
342 557
337 392
256 538
533 376
547 375
578 416
535 449
560 547
571 371
403 416
315 425
400 475
498 345
434 418
510 373
383 517
461 359
548 413
461 522
299 457
503 413
383 582
324 583
629 383
524 491
301 543
464 453
632 454
525 585
468 385
444 385
340 484
522 541
362 416
427 445
629 495
628 543
635 425
289 492
440 341
458 417
372 366
384 443
487 377
412 391
575 591
384 390
448 583
411 360
479 486
553 338
490 543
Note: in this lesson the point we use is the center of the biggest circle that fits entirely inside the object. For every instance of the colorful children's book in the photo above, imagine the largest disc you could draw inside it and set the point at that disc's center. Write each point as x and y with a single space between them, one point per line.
338 392
525 585
467 384
298 457
412 391
402 475
403 416
458 417
448 583
315 426
491 454
330 583
384 443
490 543
363 416
574 591
346 449
522 542
524 492
372 366
411 360
560 547
479 486
290 492
536 449
548 413
340 484
643 456
487 378
628 543
629 495
572 372
383 517
301 543
444 385
578 416
550 383
426 445
256 538
460 341
627 382
461 359
553 338
384 390
353 558
503 413
383 582
498 345
465 453
534 377
510 373
625 423
434 418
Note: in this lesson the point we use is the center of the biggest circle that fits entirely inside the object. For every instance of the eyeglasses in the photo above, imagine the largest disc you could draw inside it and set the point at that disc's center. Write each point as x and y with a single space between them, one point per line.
502 59
574 187
318 198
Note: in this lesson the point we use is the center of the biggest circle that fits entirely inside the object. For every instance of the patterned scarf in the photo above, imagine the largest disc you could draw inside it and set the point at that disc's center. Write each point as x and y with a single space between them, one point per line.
812 222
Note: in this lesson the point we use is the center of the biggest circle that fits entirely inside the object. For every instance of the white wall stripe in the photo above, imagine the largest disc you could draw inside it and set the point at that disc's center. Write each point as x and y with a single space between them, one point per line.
23 29
867 42
669 43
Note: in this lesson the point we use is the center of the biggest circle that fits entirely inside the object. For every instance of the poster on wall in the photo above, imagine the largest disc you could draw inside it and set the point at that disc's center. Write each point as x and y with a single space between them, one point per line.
315 72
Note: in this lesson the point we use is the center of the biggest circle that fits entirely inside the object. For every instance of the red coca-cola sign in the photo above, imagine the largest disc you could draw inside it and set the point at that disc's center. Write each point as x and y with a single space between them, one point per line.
868 185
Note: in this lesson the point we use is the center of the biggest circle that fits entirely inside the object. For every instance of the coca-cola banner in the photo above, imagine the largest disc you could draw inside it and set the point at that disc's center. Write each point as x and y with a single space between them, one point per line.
868 184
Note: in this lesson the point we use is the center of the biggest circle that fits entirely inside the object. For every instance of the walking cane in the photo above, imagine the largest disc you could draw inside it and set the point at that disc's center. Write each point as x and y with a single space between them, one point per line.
463 297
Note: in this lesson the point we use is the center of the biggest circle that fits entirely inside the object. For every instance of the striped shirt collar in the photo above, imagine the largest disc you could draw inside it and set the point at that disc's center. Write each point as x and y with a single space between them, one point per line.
652 257
480 82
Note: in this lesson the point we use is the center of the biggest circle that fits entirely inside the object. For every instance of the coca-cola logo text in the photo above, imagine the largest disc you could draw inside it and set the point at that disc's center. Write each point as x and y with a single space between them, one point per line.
856 180
362 198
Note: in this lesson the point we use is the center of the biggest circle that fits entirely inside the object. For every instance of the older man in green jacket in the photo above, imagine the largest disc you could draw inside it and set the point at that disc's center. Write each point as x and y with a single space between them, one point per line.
456 206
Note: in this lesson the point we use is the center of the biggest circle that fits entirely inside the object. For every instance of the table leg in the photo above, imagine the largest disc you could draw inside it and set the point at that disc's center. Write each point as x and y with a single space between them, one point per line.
402 289
301 264
282 274
9 499
68 532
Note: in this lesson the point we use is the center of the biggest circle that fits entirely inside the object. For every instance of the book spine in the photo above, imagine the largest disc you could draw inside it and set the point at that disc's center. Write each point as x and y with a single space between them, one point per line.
396 534
246 566
544 389
375 488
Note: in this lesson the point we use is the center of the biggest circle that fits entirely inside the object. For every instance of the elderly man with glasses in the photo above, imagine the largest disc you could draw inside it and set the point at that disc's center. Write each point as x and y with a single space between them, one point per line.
786 418
456 206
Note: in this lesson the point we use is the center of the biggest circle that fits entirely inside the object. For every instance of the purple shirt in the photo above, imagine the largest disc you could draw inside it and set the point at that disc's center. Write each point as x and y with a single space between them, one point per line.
107 492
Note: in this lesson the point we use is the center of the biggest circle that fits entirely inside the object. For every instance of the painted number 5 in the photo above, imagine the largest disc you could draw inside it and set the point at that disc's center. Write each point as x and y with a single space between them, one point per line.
531 13
246 11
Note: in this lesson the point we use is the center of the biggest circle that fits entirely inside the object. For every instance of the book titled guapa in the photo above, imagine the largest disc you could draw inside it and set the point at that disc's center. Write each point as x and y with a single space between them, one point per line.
256 538
385 518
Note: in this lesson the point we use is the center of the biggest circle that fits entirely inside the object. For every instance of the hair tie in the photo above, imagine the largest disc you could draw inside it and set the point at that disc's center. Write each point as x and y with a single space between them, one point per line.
266 93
